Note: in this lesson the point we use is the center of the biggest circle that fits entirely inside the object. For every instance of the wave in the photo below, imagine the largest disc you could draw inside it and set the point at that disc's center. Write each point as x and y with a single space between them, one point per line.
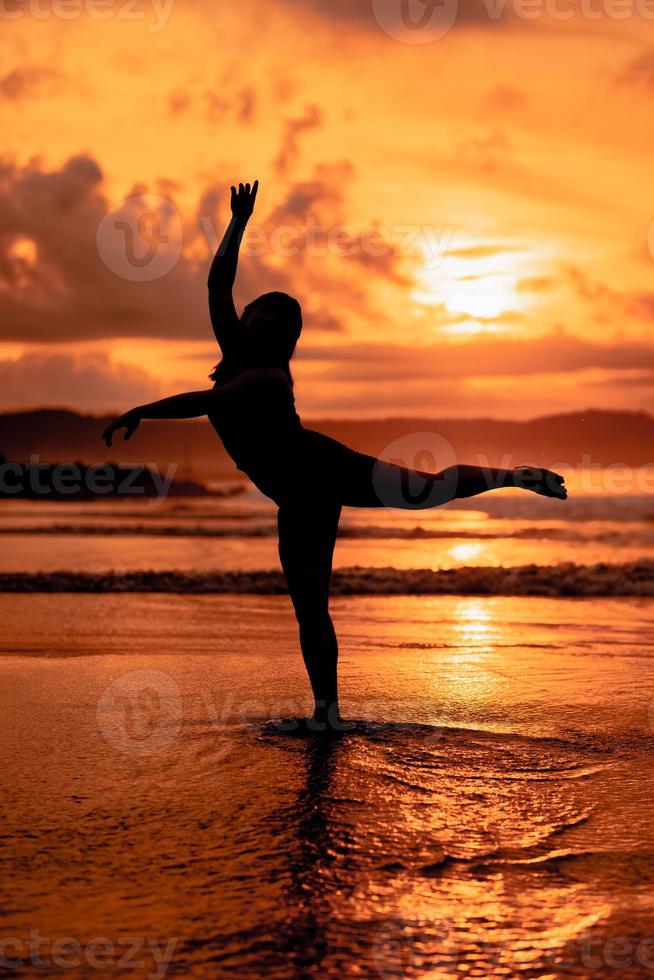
563 580
350 532
145 530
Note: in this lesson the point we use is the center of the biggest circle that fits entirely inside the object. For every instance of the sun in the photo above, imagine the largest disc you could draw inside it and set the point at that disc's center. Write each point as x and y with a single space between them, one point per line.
487 297
475 291
480 297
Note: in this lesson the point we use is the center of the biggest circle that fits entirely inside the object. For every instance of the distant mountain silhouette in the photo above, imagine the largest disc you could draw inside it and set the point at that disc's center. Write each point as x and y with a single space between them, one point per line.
602 437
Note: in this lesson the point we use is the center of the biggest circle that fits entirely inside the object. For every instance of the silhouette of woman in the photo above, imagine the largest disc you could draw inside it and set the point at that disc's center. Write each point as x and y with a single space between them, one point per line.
308 475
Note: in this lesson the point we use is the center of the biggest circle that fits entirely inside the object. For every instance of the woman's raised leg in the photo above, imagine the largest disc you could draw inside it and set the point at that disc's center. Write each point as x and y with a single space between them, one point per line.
368 482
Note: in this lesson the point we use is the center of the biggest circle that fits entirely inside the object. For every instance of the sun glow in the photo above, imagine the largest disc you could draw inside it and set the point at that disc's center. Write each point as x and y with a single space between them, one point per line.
483 297
474 622
476 286
487 297
467 551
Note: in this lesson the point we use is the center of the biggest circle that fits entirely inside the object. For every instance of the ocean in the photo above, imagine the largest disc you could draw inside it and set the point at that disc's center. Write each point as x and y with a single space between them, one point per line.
486 814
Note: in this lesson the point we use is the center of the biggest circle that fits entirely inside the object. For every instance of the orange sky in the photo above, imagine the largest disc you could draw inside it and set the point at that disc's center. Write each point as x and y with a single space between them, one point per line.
465 220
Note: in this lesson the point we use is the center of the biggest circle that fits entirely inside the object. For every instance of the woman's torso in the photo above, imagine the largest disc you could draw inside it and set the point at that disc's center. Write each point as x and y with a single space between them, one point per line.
262 432
259 427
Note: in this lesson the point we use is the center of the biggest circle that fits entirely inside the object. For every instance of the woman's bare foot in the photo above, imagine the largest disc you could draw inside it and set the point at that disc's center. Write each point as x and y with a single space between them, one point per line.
323 722
327 720
540 481
311 728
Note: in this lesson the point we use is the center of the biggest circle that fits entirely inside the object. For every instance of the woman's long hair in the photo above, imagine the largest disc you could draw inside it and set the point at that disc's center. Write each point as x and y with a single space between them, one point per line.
275 345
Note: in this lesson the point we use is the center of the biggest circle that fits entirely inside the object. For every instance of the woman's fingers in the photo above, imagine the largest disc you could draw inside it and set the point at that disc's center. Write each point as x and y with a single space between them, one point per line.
130 427
243 199
107 435
554 485
246 190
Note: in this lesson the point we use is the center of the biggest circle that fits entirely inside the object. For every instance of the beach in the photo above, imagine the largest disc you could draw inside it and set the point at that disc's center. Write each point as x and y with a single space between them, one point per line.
485 814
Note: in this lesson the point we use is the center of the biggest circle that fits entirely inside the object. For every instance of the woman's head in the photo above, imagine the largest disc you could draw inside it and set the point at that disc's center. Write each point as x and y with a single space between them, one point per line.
272 324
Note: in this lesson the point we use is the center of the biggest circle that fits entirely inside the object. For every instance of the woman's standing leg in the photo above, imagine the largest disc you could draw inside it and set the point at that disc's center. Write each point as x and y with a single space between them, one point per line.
307 534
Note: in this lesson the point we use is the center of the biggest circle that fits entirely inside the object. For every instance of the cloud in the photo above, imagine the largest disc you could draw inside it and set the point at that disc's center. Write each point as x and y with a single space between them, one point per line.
246 104
505 98
56 287
67 291
73 268
481 251
535 284
28 81
363 14
293 128
611 302
639 71
89 382
322 195
215 104
637 379
554 353
179 102
317 209
331 252
486 154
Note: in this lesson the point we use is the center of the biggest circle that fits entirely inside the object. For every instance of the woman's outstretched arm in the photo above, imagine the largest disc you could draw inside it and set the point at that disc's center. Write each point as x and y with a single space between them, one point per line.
222 274
192 404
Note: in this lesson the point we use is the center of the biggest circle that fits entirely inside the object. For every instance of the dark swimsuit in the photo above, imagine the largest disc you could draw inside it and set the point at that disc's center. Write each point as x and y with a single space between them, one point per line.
263 434
308 475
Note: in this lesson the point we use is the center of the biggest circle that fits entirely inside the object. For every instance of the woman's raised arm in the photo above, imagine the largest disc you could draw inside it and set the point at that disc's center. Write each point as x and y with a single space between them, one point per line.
222 274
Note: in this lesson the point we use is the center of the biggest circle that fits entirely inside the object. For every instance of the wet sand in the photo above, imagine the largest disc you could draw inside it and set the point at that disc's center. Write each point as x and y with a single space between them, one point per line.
490 814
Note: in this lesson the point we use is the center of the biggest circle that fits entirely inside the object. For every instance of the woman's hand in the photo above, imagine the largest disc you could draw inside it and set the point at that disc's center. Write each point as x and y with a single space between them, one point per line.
130 421
243 200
